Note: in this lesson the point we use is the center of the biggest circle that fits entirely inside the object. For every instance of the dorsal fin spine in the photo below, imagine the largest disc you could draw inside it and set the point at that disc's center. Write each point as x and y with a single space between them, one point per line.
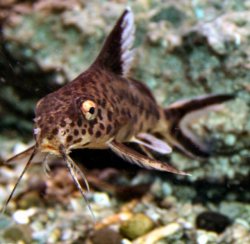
117 53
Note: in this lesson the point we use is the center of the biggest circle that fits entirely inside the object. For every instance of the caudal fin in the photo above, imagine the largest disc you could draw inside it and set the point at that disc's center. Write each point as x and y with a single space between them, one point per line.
179 114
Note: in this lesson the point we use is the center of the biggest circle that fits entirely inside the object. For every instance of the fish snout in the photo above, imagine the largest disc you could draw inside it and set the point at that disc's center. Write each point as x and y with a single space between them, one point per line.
50 140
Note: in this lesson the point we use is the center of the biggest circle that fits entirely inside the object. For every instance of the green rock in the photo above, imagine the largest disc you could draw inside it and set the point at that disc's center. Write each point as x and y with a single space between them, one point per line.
137 226
31 199
17 233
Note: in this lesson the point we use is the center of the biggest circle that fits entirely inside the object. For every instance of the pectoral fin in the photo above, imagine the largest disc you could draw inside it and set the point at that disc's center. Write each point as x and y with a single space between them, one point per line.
141 160
25 155
153 143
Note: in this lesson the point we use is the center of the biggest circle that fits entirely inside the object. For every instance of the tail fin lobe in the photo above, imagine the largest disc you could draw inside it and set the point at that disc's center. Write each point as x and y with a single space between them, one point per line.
180 113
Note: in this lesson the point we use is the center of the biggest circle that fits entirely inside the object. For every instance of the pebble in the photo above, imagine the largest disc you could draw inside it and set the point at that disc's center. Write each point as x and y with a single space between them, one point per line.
30 199
17 234
230 139
54 236
212 221
158 234
106 236
102 199
23 216
204 237
136 226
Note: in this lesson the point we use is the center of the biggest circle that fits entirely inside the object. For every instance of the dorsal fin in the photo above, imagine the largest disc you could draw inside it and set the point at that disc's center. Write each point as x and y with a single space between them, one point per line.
117 53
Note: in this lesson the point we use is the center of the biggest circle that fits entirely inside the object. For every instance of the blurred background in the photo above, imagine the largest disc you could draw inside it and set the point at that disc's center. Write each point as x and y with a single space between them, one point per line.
183 49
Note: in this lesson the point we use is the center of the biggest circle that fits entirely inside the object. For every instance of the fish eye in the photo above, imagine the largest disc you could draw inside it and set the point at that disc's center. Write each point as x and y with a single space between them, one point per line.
89 110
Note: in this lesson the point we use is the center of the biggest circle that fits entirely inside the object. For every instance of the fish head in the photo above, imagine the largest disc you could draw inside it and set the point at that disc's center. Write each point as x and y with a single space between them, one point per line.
70 119
80 114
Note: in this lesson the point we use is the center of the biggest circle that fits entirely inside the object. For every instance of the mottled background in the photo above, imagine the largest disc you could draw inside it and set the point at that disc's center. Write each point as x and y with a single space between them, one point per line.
184 49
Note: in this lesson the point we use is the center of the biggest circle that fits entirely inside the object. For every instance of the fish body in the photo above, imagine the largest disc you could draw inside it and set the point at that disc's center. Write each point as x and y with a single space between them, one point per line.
124 108
104 108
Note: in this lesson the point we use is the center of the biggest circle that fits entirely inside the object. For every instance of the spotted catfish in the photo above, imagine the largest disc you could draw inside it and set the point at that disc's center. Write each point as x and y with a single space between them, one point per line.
104 108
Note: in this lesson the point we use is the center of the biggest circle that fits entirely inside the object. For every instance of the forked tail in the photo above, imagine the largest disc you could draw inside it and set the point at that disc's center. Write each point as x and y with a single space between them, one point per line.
180 113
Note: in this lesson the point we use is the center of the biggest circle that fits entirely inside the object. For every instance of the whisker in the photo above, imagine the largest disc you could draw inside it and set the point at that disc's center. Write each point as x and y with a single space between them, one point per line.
46 167
71 165
19 179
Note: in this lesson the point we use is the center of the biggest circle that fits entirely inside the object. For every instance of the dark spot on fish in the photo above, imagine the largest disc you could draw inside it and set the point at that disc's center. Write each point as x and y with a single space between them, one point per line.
78 140
90 130
50 137
99 114
101 125
63 123
93 122
50 120
109 128
123 111
99 101
85 144
129 114
69 138
55 131
83 131
103 103
110 115
79 122
98 134
76 132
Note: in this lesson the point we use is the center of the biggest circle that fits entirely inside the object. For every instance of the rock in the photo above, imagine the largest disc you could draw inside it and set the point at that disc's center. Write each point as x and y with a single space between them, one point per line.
30 199
212 221
54 236
137 226
204 237
17 233
106 236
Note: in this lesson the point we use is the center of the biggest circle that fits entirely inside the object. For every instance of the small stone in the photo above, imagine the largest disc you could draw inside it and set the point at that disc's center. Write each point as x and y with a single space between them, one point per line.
204 237
230 140
212 221
31 199
23 216
17 233
67 235
106 236
137 226
54 236
102 199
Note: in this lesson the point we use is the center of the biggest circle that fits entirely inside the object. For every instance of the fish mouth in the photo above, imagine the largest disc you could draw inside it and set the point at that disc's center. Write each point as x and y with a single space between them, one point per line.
48 148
